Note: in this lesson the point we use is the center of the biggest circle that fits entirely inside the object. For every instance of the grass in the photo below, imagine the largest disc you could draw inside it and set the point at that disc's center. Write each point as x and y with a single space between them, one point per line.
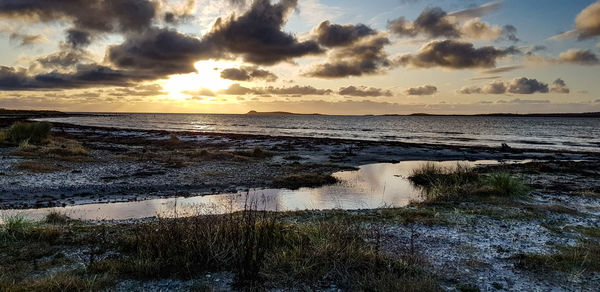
581 258
296 181
264 252
55 147
36 132
462 182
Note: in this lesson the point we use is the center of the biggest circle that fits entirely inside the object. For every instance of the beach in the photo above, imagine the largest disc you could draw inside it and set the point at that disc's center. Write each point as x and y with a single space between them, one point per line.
467 241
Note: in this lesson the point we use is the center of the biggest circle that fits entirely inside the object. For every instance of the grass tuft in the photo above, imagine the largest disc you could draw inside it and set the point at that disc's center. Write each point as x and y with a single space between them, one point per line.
56 217
506 184
32 132
297 181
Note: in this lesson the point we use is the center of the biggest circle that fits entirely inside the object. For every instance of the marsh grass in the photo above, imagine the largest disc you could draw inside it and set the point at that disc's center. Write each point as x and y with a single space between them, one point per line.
581 258
463 182
265 252
55 147
36 132
296 181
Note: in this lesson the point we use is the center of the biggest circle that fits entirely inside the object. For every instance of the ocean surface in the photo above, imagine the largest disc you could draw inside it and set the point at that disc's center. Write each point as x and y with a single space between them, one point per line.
564 133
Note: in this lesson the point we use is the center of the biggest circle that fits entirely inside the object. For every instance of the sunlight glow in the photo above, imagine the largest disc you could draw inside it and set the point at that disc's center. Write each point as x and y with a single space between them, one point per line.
207 76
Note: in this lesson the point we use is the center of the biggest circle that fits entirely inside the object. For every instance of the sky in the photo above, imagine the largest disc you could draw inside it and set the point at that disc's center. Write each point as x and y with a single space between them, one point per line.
304 56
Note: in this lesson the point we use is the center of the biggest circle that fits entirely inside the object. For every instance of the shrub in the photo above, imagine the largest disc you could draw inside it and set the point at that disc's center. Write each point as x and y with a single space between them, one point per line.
33 132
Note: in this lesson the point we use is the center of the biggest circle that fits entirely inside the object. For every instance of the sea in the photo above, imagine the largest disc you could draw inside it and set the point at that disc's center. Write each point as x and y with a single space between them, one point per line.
551 133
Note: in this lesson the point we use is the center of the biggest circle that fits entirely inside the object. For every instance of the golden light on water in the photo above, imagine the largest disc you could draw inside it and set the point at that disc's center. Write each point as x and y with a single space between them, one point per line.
207 76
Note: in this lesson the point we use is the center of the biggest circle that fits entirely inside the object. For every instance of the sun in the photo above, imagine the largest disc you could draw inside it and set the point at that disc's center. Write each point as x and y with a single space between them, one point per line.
207 76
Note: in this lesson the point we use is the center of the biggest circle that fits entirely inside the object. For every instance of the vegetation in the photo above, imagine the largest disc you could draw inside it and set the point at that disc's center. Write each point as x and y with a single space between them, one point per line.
447 184
19 132
261 249
296 181
581 258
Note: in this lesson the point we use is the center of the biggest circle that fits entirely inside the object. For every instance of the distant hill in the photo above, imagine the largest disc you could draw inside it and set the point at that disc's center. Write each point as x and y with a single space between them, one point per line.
557 115
276 113
36 113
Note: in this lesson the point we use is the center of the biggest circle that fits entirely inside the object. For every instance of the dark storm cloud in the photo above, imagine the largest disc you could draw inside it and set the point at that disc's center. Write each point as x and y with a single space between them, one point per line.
107 15
84 76
422 90
517 86
364 57
161 52
78 38
454 55
333 35
578 56
248 73
363 91
559 86
257 34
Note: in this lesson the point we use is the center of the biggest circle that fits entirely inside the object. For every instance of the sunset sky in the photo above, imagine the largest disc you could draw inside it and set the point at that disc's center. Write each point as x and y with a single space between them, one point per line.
307 56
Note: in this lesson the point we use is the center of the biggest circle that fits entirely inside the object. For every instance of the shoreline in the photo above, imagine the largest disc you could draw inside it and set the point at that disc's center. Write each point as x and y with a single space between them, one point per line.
147 165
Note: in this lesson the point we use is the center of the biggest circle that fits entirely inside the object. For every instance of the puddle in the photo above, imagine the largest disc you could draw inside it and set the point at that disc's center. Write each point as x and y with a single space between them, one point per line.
372 186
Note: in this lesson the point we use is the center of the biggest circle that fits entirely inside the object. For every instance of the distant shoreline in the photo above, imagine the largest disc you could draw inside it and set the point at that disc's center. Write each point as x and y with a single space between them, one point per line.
16 113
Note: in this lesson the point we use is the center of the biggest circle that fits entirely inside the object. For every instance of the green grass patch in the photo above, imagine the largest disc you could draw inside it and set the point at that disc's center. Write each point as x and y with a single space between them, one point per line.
443 184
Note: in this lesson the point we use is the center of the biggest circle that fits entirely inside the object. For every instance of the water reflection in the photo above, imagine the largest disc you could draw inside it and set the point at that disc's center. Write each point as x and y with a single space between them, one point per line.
372 186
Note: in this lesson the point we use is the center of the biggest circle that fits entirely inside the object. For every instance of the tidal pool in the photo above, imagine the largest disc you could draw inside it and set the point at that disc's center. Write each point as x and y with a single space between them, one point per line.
371 186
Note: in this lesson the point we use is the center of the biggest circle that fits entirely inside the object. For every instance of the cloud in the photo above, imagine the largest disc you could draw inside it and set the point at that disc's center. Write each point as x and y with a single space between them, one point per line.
431 22
516 86
525 101
502 69
140 90
161 52
247 73
25 40
363 91
454 55
559 86
63 59
78 38
257 34
90 75
334 35
367 56
477 11
578 56
587 24
199 92
104 16
434 22
422 90
237 89
293 90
